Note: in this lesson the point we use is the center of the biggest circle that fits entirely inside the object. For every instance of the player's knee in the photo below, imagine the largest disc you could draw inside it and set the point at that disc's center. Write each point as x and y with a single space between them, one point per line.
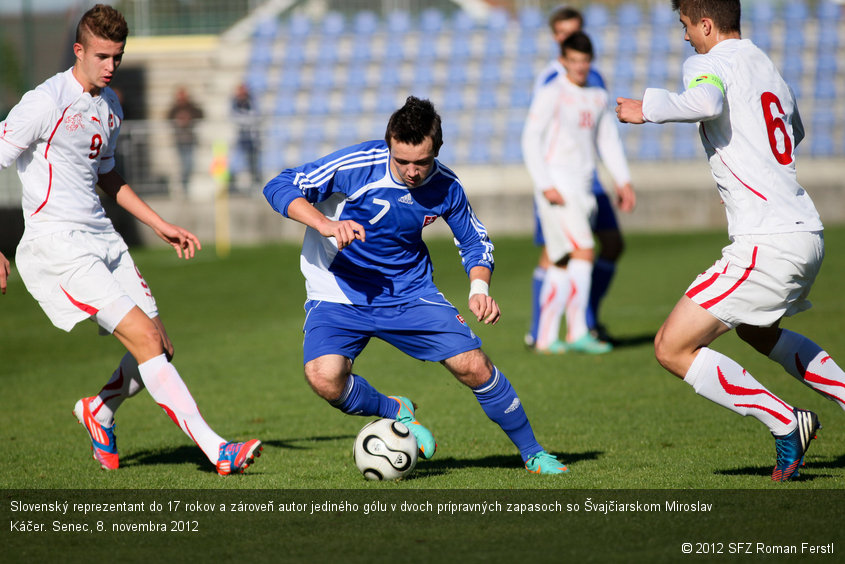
663 352
472 368
327 384
148 340
612 246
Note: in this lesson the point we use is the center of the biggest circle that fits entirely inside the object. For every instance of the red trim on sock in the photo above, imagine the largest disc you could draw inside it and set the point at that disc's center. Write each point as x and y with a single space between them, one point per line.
735 390
773 413
169 413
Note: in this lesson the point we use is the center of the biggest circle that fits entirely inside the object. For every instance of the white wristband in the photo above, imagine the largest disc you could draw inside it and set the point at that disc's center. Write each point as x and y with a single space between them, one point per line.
478 287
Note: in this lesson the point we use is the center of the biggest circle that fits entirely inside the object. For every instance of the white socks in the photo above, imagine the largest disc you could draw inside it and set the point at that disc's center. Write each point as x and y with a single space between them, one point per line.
806 361
565 290
125 382
723 381
553 297
581 276
170 392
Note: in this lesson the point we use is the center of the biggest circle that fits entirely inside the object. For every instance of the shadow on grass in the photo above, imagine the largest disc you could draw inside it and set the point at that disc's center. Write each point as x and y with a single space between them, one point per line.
192 454
174 455
810 471
441 466
632 340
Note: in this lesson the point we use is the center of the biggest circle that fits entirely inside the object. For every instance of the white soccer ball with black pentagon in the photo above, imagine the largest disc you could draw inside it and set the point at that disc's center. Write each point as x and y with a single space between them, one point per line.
385 450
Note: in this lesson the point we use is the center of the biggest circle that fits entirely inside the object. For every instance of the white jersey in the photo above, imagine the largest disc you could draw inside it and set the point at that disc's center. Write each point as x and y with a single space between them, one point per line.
749 126
567 129
62 139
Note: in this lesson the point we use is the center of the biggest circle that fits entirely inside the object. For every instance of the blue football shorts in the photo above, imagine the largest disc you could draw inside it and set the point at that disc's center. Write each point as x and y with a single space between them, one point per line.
603 220
428 328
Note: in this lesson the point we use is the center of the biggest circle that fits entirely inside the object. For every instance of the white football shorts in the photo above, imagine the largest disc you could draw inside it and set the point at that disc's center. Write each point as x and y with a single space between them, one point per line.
76 275
760 278
567 227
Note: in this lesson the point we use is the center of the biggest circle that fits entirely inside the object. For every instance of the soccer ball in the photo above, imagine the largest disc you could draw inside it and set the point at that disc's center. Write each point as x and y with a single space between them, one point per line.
385 450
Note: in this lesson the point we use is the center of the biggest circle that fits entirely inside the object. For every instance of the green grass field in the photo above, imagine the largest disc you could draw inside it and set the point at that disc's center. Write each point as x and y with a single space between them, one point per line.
619 421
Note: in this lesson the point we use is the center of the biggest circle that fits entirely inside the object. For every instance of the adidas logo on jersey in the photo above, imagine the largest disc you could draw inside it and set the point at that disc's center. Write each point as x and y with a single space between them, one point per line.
406 199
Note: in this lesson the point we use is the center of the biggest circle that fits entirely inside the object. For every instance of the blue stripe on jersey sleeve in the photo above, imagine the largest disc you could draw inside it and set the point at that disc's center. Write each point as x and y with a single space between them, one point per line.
595 79
341 171
550 77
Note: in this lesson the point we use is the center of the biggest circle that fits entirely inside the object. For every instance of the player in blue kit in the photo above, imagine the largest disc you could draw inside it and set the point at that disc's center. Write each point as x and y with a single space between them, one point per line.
369 274
563 22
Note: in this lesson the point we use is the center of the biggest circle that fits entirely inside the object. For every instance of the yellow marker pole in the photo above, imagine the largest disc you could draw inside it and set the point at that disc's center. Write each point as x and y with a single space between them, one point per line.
220 173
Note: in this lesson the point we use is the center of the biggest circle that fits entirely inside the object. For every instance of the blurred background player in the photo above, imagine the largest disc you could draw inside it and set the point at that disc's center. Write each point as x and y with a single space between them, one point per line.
569 125
377 281
564 21
63 136
749 125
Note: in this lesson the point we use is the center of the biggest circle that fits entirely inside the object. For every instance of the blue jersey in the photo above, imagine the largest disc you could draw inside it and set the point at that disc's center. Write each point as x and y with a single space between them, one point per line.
393 265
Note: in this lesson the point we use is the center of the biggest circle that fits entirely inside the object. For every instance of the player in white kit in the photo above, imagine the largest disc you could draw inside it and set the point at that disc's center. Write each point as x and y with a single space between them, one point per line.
749 126
62 136
569 126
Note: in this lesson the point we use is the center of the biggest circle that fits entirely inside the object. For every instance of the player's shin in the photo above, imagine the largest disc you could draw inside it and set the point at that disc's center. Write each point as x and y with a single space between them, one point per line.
810 364
169 391
580 272
124 383
602 275
723 381
359 397
553 298
499 401
536 301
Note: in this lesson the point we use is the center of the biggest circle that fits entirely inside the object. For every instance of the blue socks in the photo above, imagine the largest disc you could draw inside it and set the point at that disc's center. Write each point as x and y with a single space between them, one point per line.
360 398
497 397
536 287
603 271
499 401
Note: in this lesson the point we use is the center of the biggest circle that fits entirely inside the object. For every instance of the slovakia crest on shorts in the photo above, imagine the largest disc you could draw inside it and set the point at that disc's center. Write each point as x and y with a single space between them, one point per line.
461 319
429 219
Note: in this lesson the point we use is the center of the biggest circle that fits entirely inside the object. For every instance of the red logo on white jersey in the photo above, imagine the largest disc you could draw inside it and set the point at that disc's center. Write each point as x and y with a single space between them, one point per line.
429 219
95 118
586 120
111 120
74 122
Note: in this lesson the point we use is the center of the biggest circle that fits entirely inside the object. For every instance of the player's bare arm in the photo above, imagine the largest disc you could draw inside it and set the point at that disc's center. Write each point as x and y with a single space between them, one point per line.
5 270
629 111
345 232
185 242
482 305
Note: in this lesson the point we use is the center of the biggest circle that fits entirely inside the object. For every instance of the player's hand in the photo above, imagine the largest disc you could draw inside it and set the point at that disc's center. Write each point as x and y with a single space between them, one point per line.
554 197
5 271
629 111
626 199
344 232
484 308
185 242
